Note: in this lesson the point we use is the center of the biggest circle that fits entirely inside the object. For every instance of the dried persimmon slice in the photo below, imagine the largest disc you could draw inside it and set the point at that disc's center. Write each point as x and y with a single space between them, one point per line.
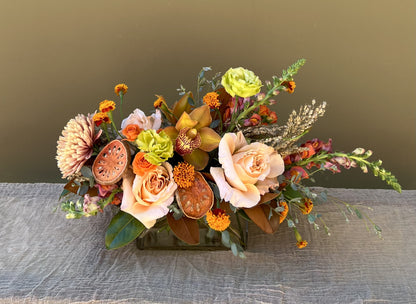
111 163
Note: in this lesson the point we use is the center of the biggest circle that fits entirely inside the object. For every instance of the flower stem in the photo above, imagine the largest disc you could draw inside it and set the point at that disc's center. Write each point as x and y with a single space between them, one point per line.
110 114
104 127
121 105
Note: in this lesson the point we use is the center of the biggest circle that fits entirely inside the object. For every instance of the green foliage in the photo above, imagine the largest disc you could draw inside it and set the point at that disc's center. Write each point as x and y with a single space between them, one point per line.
287 75
123 229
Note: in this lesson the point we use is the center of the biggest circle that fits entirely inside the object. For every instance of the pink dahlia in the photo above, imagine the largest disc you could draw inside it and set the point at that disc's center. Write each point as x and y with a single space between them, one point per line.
75 146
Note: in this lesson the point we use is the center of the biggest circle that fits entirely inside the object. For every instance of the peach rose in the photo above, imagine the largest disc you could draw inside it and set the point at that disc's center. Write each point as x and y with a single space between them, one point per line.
147 197
248 170
144 122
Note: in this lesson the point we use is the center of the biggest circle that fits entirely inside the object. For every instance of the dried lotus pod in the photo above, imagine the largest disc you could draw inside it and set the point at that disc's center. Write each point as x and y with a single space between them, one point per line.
196 200
111 163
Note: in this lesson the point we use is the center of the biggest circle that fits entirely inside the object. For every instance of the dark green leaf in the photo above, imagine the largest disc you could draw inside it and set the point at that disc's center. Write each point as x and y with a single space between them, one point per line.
123 229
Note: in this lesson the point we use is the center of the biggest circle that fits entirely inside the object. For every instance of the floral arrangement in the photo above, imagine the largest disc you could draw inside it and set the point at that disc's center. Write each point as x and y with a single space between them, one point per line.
213 160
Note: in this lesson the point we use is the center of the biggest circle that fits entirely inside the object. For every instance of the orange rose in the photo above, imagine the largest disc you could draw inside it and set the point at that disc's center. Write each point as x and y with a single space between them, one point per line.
140 165
131 132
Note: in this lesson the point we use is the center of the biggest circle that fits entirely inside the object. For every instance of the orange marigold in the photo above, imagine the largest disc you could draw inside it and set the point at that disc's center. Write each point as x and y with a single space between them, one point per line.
107 106
218 220
121 87
283 213
184 175
140 165
211 100
302 244
307 206
100 117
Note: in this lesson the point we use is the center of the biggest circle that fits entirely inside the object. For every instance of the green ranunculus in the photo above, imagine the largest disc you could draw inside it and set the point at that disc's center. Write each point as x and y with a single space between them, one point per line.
241 82
159 147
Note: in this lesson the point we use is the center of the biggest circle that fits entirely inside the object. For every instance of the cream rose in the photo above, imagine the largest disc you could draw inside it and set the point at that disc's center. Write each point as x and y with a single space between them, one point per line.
144 122
248 170
147 197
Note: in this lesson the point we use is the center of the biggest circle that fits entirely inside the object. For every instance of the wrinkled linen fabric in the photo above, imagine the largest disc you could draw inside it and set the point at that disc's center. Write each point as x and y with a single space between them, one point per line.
45 258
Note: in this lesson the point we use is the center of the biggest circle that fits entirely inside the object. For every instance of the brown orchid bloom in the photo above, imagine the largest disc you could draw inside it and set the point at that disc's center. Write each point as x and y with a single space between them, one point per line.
192 137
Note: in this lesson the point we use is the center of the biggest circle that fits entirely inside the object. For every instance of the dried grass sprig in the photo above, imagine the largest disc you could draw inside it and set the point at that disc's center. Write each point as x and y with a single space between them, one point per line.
283 137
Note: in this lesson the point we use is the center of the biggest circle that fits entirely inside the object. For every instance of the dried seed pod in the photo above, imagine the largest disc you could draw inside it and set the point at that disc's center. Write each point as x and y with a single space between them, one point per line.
111 163
196 200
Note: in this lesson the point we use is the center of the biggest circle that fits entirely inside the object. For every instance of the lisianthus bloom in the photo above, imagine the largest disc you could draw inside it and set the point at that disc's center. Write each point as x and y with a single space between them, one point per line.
148 197
120 88
193 138
158 146
144 122
241 82
140 165
107 106
131 132
248 170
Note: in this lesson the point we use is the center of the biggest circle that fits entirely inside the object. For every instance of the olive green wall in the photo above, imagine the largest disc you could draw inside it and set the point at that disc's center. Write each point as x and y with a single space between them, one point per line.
60 58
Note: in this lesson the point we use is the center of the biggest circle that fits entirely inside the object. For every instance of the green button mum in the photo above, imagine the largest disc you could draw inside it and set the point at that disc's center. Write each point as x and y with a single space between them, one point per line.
241 82
159 147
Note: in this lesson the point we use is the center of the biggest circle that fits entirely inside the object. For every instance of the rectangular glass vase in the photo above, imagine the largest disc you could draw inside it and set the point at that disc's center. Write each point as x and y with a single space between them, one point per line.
162 239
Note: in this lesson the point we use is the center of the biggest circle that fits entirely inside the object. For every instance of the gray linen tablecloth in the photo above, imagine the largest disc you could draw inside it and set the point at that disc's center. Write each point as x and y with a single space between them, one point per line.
45 258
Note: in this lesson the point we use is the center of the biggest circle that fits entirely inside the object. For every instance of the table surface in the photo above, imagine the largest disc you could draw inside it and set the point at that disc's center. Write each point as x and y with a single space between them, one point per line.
47 259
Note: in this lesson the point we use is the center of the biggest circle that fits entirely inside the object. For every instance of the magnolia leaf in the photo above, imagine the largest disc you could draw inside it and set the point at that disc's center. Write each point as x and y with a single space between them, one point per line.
123 229
71 186
185 229
267 197
259 215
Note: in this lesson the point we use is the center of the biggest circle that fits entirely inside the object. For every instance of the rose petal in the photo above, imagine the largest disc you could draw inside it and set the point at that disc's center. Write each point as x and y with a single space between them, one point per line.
225 151
237 198
277 165
264 185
